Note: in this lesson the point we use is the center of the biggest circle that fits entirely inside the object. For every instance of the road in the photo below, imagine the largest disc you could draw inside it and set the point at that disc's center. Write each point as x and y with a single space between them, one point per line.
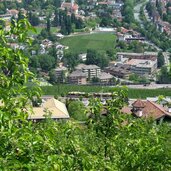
166 58
137 9
137 12
151 86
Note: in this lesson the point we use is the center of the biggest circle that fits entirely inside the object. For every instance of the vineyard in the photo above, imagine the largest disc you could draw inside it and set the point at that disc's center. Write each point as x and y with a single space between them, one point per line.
132 93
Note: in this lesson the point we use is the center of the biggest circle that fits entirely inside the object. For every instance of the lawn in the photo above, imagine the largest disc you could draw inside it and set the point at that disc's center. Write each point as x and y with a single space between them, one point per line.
97 41
39 29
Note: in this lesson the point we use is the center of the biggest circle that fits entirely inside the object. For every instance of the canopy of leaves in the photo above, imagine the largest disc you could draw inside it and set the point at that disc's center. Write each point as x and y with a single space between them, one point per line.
106 142
76 110
96 58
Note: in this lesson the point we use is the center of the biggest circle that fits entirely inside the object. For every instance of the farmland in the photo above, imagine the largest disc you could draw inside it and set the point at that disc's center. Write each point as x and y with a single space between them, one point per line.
132 93
96 41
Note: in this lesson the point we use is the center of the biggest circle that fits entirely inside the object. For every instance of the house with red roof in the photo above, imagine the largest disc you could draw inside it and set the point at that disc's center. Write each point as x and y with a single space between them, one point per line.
148 109
70 6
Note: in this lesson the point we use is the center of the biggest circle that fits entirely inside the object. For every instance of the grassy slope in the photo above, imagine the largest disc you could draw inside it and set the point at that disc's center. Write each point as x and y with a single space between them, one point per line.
132 93
100 42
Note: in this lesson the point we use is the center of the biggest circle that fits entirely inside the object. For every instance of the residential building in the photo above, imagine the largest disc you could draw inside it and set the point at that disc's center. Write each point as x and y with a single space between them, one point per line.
83 56
120 71
61 73
105 77
145 55
78 77
47 43
70 6
129 37
142 67
49 107
139 63
91 71
147 109
13 12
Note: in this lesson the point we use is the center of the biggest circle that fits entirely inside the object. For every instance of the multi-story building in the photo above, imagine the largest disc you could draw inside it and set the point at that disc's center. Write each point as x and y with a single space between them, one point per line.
142 67
145 55
91 71
61 73
140 63
105 77
120 71
78 77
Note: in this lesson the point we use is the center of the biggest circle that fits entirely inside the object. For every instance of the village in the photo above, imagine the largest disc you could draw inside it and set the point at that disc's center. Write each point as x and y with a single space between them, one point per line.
85 85
128 59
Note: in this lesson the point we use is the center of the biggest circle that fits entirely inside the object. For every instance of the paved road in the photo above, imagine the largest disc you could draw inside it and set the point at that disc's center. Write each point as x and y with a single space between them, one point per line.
137 9
137 12
166 58
151 86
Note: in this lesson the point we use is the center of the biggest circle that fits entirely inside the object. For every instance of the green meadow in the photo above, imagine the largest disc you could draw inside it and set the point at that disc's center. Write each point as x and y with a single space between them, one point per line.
96 41
39 29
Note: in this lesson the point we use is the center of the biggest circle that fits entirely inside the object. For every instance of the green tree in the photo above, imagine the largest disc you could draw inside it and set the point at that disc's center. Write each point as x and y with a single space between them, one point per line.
47 62
13 20
109 140
53 77
160 60
44 33
57 3
77 110
71 60
34 62
20 16
48 25
100 59
164 76
56 19
2 24
33 19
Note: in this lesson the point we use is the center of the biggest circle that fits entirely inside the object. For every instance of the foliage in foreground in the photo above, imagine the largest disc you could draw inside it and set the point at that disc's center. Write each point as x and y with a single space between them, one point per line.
111 142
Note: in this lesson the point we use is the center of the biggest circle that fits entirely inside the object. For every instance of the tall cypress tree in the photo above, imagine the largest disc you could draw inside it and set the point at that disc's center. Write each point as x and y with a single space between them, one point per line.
68 25
48 25
12 20
56 19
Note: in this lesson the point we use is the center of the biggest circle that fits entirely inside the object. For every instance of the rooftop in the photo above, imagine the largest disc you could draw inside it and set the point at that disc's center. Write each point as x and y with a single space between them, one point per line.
140 63
104 75
77 73
83 66
137 54
61 68
150 109
56 109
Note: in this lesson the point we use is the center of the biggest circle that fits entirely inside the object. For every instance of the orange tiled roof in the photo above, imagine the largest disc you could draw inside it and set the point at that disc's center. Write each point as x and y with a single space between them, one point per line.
66 5
150 109
75 7
139 104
